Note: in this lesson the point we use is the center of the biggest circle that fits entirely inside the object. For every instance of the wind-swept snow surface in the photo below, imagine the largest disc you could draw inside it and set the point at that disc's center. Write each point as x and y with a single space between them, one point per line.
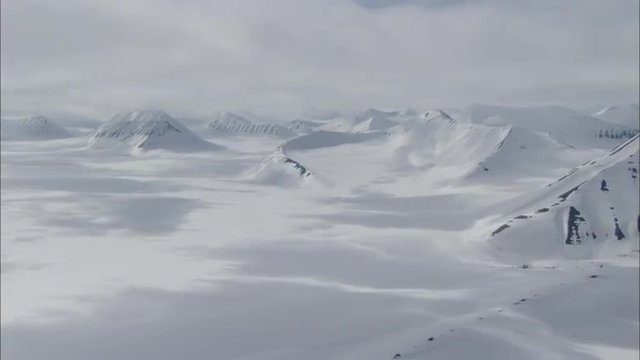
32 128
435 238
144 130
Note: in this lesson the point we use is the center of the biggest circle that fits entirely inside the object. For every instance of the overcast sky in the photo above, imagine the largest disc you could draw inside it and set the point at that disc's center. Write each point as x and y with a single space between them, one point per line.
99 57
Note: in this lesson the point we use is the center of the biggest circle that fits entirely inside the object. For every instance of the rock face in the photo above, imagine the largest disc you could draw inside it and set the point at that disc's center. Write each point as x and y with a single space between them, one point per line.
144 130
573 227
232 124
33 128
594 205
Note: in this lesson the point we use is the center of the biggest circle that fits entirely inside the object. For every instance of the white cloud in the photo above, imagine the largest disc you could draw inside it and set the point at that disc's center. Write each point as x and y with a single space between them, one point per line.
198 56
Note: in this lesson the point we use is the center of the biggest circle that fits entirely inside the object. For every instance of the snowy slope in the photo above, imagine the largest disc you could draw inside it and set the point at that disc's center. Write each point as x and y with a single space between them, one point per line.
143 130
626 115
232 124
32 128
562 124
279 169
594 204
522 154
440 142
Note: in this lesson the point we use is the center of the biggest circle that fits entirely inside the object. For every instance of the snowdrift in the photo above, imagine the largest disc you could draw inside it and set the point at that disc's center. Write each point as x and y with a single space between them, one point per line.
594 204
32 128
148 130
232 124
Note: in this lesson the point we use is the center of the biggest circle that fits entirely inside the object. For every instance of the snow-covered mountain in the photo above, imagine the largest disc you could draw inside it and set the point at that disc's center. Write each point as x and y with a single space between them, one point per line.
371 120
143 130
279 169
521 154
373 124
562 124
594 204
437 114
395 115
231 124
302 127
32 128
477 152
444 149
322 139
626 115
436 238
340 124
441 142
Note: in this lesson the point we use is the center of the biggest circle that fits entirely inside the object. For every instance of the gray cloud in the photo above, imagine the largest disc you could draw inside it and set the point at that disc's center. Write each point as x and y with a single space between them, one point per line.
374 4
194 56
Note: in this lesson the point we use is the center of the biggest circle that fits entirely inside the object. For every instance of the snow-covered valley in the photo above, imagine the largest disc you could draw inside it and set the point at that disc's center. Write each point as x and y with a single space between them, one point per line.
492 233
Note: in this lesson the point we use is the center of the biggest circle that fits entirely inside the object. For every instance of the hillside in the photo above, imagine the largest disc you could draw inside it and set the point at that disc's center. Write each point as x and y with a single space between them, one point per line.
593 206
144 130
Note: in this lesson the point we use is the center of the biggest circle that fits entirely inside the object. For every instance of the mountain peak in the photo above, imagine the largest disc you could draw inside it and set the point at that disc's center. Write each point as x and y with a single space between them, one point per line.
34 127
148 130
